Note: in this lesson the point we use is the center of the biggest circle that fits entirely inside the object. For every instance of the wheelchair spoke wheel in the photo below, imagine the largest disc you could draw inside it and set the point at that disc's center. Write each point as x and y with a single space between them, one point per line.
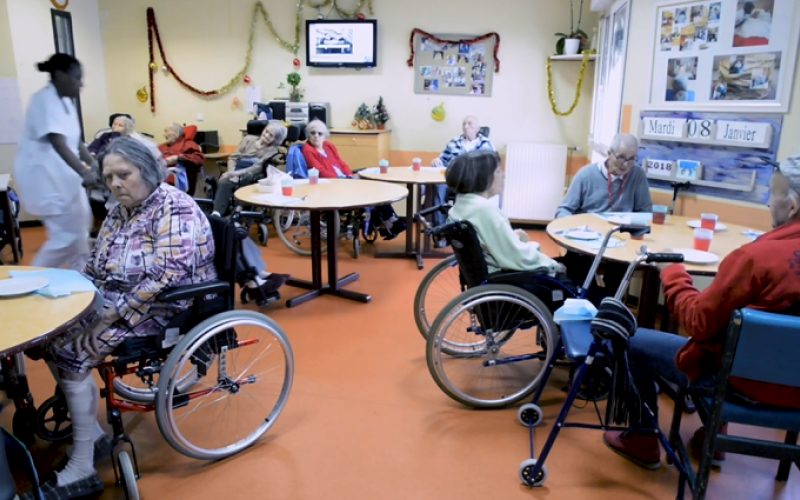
136 390
246 366
488 347
294 230
436 290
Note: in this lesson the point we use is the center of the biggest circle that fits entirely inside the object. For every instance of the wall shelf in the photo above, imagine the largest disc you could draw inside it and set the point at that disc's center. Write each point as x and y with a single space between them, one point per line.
576 57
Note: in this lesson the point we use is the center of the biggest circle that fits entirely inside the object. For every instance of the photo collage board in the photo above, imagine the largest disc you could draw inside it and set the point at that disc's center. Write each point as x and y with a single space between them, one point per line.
453 68
725 55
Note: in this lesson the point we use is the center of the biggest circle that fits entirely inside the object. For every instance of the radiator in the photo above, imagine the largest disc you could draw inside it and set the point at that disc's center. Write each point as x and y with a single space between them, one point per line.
535 177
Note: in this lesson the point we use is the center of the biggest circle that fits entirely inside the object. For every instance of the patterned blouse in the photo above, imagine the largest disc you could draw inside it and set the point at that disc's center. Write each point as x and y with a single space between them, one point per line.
163 243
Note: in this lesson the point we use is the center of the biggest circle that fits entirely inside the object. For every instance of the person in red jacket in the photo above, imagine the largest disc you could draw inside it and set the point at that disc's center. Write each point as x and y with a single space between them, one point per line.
180 149
762 275
321 154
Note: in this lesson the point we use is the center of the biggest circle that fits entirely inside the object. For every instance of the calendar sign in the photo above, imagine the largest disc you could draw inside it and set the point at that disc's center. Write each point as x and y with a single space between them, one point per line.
701 130
660 168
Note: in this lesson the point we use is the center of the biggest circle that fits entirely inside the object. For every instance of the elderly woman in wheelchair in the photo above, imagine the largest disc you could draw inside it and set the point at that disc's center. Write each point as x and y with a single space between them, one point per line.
502 323
155 265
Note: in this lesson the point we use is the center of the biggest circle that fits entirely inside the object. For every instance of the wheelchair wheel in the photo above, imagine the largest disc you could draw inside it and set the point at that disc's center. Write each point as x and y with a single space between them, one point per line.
489 346
263 234
52 419
436 290
127 476
134 389
526 473
246 366
294 230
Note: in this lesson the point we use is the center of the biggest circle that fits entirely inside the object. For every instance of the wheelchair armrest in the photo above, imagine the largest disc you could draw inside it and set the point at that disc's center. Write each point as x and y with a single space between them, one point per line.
193 291
205 204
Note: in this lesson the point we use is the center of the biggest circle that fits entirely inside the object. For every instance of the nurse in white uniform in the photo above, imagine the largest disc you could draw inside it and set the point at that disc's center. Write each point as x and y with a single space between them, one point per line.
48 170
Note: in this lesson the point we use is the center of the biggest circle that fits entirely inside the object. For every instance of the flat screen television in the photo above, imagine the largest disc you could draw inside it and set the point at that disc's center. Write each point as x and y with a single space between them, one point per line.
342 44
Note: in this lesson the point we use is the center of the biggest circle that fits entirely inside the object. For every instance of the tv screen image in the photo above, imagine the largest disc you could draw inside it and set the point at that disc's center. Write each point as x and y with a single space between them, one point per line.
341 43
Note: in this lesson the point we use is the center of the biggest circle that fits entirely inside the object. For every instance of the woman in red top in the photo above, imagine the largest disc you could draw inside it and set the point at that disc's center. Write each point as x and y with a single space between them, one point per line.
323 155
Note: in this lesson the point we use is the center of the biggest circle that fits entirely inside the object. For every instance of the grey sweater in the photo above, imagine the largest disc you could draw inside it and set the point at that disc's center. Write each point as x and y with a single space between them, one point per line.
588 193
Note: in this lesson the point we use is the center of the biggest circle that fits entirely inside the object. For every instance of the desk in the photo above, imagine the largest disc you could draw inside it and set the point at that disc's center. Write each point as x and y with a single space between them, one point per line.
404 175
673 234
329 197
8 219
27 322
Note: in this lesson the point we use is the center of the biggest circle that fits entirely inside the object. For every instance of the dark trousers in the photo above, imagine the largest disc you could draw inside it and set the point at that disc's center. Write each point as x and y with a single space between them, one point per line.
579 265
224 195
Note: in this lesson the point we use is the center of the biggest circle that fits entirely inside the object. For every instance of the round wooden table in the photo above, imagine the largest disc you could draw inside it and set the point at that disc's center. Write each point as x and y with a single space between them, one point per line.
673 234
412 180
338 194
28 321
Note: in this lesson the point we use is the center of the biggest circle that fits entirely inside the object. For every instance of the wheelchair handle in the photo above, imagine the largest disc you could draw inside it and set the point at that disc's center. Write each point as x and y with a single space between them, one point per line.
664 257
634 230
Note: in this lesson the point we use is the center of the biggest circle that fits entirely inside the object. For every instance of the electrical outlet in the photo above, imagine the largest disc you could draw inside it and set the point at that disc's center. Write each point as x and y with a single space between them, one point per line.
200 117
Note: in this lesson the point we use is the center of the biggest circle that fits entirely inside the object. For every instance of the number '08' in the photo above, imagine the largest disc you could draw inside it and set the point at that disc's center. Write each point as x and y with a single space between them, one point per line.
705 128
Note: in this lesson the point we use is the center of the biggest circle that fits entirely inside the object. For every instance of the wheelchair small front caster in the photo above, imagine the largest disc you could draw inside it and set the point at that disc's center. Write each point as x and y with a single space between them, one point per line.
263 234
530 415
127 477
526 473
52 419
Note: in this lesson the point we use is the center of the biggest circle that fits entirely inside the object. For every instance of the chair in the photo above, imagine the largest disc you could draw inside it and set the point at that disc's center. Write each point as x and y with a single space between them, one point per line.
760 347
193 359
484 131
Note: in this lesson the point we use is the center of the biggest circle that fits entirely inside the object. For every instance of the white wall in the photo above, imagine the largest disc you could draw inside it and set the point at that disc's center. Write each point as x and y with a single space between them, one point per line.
32 41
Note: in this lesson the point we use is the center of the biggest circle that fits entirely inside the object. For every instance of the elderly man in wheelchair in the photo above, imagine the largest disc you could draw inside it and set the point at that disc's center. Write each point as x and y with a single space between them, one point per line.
503 320
166 278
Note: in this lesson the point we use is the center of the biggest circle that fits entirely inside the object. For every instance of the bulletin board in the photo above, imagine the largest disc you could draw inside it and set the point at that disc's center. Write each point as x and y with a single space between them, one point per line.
454 68
724 55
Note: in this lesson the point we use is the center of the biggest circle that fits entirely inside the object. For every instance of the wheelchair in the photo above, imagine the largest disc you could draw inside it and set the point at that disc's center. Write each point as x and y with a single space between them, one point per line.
208 354
6 239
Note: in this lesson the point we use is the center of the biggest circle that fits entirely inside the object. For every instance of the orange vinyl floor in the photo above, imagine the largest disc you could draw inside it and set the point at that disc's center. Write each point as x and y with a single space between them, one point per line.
366 421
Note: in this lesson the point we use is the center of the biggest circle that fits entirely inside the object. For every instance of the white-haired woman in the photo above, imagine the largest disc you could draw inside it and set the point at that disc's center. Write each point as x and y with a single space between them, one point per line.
321 154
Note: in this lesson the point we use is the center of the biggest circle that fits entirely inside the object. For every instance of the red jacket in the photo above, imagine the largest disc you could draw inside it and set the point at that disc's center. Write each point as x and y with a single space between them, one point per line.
185 148
314 159
762 275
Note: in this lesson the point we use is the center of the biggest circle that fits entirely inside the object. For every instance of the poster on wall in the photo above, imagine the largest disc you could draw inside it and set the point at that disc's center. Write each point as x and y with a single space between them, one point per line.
731 55
453 68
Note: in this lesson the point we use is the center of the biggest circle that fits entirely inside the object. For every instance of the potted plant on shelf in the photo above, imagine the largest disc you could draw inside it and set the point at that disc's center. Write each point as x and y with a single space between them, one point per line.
363 118
380 115
575 41
293 79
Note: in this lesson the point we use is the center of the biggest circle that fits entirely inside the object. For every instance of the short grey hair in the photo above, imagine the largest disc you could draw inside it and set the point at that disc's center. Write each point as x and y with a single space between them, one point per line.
790 168
128 123
317 124
139 156
177 127
279 131
624 141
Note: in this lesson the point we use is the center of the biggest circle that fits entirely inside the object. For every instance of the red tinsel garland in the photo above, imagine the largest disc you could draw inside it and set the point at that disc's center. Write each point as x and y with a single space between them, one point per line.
417 31
152 29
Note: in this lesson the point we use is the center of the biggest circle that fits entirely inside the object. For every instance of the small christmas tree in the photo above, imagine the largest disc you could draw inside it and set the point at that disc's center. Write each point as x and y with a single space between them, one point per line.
363 118
380 114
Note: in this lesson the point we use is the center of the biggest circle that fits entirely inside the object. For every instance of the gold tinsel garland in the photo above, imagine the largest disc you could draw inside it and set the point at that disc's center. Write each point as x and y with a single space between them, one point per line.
342 13
552 95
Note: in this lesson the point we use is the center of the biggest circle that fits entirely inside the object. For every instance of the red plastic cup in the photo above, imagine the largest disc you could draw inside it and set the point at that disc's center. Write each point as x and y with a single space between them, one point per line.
702 239
313 180
287 190
416 164
384 170
709 221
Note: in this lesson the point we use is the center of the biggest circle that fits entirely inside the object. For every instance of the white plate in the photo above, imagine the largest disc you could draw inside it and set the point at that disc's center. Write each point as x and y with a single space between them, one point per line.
619 220
15 287
693 256
695 224
582 235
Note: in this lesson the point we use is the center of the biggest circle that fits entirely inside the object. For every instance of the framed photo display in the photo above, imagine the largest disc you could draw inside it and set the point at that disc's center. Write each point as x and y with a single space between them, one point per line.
453 68
724 55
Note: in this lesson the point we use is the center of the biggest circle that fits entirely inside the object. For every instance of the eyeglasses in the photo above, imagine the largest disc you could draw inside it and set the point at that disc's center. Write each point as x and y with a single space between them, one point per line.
622 158
316 133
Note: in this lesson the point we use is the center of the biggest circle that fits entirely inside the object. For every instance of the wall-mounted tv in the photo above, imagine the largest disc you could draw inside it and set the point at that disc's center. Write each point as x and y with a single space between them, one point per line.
342 44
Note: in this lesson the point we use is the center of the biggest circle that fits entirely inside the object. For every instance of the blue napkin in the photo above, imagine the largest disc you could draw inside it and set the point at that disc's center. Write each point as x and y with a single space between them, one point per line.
596 244
753 235
61 282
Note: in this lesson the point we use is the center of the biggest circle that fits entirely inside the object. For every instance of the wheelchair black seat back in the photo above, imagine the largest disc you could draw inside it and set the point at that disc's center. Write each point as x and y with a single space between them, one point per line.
474 270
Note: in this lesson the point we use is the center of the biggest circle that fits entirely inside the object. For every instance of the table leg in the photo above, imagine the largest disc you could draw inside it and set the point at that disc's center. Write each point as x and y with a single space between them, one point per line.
9 223
648 302
410 228
335 284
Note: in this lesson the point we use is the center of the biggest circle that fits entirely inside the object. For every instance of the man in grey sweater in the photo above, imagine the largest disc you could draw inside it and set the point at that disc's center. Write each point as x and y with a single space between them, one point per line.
615 185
